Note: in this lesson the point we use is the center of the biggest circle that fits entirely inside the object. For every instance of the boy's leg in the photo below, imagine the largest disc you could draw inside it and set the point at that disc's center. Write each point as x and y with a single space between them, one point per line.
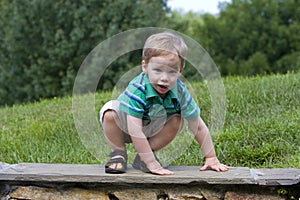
116 139
167 134
112 131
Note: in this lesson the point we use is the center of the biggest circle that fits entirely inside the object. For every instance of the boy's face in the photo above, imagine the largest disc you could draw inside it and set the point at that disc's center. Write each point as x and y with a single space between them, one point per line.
163 72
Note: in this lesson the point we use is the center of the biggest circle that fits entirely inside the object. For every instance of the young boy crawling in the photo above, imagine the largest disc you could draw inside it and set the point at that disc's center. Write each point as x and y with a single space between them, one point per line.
151 110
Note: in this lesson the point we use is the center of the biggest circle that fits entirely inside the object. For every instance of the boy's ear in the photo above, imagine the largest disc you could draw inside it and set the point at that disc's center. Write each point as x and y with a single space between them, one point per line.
181 69
144 66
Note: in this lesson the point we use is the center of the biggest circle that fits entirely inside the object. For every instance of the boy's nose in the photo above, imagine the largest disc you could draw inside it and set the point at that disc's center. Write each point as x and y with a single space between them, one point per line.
164 77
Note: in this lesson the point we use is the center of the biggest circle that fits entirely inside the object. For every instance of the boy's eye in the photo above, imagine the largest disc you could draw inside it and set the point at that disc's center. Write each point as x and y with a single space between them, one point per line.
173 72
157 70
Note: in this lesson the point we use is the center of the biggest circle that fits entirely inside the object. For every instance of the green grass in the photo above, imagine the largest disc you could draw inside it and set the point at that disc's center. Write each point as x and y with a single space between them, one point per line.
261 127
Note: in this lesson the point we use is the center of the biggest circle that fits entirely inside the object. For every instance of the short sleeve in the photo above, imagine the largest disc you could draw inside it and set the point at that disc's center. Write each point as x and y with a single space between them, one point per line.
189 108
132 101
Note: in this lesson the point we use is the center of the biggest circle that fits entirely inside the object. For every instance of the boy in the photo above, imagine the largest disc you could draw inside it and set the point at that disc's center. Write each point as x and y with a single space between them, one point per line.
150 112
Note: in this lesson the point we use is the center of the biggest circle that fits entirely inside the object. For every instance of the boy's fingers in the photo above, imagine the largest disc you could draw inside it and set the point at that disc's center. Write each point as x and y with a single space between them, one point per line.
224 168
221 168
217 168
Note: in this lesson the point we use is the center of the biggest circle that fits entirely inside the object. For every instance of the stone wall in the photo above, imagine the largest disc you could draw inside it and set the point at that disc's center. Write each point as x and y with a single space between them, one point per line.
154 192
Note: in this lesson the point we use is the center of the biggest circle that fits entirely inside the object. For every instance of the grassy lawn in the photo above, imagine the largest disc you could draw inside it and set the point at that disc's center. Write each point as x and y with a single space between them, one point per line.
261 127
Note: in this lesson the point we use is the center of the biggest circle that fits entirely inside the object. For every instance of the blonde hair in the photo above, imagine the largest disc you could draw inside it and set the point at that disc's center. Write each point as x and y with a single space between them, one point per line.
165 43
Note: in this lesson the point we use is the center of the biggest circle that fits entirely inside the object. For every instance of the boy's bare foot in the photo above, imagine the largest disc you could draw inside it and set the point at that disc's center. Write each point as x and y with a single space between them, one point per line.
162 171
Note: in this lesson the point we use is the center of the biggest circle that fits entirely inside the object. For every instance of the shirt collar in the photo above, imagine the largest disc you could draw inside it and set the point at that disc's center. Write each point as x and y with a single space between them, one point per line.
151 92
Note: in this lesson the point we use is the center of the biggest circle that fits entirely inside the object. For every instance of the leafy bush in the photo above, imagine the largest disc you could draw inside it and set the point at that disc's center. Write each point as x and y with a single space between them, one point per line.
256 64
43 43
288 63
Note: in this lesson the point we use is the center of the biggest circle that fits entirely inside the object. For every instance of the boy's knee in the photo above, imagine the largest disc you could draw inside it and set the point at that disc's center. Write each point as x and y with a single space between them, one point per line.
176 122
109 116
176 119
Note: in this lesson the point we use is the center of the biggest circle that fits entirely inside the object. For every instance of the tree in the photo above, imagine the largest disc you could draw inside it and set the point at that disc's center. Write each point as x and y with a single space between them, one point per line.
43 43
248 29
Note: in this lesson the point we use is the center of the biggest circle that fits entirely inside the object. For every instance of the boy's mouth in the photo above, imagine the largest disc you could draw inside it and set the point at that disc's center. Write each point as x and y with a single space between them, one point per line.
163 87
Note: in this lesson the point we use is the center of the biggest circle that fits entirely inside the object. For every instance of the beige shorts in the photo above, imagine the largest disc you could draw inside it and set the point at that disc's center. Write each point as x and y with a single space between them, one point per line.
150 127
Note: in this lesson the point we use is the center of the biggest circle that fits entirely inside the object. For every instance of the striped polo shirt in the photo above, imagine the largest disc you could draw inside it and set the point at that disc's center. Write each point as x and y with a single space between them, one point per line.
141 100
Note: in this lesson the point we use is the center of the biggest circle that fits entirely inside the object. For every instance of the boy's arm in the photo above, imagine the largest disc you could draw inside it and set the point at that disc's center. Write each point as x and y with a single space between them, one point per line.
203 137
142 146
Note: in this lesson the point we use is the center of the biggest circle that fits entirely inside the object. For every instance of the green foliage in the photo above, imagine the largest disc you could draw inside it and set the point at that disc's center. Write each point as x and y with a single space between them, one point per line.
248 28
290 62
256 64
43 43
261 127
288 193
247 37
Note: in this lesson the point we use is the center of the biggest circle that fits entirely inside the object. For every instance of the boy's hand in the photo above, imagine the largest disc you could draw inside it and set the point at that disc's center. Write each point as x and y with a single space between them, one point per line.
214 164
156 168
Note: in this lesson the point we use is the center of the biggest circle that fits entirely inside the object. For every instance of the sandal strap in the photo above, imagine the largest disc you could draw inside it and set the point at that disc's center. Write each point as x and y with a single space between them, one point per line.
119 152
114 161
116 170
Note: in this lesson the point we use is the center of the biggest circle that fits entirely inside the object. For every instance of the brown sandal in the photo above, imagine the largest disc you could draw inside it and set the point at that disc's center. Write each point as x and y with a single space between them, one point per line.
116 161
